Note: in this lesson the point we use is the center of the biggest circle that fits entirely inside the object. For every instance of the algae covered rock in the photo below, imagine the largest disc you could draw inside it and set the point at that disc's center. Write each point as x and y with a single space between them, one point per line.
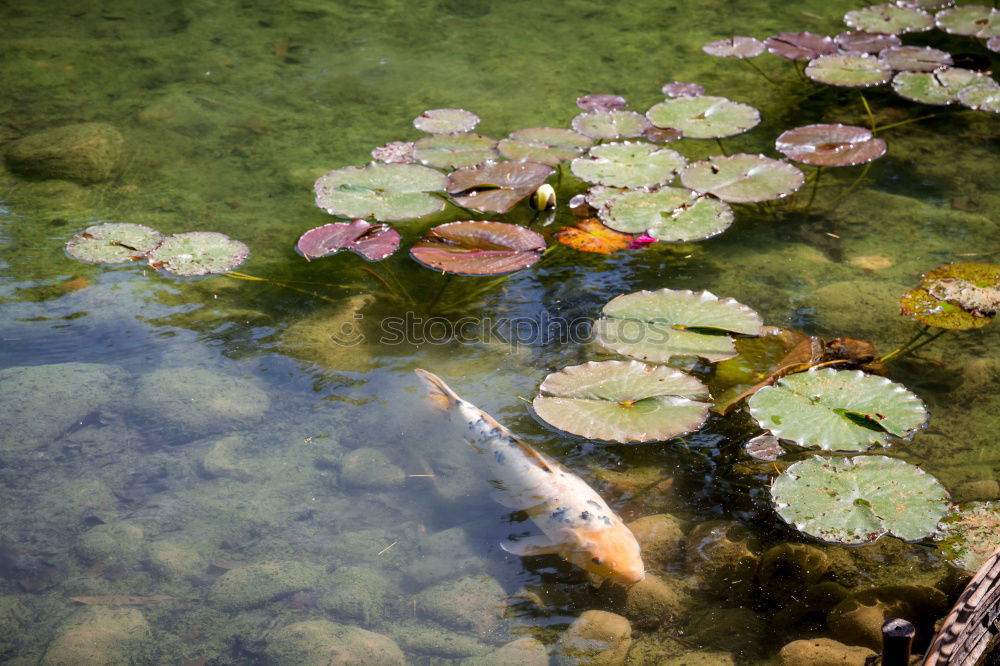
99 636
255 584
443 555
823 652
867 309
661 538
523 652
433 640
701 658
117 543
788 568
858 619
475 603
174 561
224 459
83 153
657 595
369 468
737 629
596 638
324 643
721 556
357 593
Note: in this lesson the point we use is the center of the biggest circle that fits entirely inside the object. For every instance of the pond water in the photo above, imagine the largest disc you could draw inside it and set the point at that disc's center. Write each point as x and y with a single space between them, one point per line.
218 470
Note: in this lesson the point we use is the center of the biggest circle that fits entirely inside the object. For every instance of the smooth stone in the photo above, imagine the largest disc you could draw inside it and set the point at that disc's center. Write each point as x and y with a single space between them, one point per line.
657 595
174 561
596 638
335 338
787 569
100 636
444 555
701 658
982 490
858 619
361 547
823 652
721 556
661 538
255 584
357 593
867 309
737 629
222 460
370 469
432 640
324 643
475 603
83 153
523 652
118 543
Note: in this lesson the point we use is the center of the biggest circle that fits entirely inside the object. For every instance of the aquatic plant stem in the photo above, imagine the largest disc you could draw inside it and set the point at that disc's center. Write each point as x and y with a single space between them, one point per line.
759 70
437 296
911 345
868 110
478 292
904 122
721 147
851 188
399 283
279 283
385 283
812 195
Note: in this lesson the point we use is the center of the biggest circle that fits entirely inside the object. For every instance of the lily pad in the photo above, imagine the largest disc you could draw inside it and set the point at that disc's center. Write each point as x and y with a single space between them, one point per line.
735 47
981 98
972 20
394 152
628 164
956 296
546 145
704 116
601 102
657 325
113 243
198 253
622 401
841 410
915 58
938 87
993 44
373 242
799 45
600 196
496 186
446 121
969 534
614 124
857 500
856 70
590 235
450 151
478 247
830 145
865 42
925 4
889 19
683 89
743 178
381 191
668 214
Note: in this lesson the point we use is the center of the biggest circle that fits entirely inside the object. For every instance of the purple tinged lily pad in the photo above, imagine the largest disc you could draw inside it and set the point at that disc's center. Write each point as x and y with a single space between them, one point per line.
800 45
547 145
743 178
865 42
662 134
614 124
993 44
451 151
854 70
198 253
373 242
446 121
830 145
734 47
981 98
915 58
496 187
113 243
683 89
601 102
972 20
478 247
394 152
889 19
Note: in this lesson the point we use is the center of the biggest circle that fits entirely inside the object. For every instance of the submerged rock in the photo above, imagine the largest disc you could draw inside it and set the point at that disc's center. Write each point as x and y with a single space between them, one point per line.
721 556
443 555
116 544
596 638
99 636
523 652
661 539
433 640
787 569
323 643
867 309
475 603
255 584
83 153
337 338
174 561
858 619
823 652
657 595
357 593
369 468
701 658
223 459
737 629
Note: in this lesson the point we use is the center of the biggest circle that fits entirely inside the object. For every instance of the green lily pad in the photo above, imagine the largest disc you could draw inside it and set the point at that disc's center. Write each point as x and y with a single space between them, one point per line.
601 196
743 178
628 164
612 124
855 70
857 500
735 47
545 145
451 151
657 325
915 58
926 4
198 253
938 87
972 20
956 296
446 121
704 116
668 214
622 401
969 534
889 19
381 191
113 243
981 98
839 410
496 187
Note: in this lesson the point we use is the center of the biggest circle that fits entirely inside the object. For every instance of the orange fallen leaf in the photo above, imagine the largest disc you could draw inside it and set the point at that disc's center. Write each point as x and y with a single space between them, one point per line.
589 235
122 599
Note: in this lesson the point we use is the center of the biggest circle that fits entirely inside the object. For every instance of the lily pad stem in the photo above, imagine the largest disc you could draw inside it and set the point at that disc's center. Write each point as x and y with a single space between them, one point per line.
868 110
721 147
909 346
904 122
479 292
812 195
385 283
286 285
437 296
759 70
851 188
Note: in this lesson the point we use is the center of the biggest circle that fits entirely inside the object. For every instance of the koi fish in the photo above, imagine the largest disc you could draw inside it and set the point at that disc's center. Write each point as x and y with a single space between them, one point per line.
576 523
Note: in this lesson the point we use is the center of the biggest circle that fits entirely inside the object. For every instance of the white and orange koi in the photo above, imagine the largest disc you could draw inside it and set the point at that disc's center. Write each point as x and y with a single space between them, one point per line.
576 523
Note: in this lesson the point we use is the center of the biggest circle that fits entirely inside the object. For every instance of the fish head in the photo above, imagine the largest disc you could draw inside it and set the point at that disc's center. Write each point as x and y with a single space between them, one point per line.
611 553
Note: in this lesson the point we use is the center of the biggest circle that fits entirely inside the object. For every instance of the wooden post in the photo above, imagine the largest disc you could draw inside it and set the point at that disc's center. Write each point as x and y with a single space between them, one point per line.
897 641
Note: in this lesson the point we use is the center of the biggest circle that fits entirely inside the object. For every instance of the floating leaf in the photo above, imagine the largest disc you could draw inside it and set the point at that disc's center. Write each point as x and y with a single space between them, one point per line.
969 534
764 447
800 45
704 116
972 20
113 243
628 164
842 410
981 98
601 102
394 152
735 47
743 178
382 191
450 151
546 145
589 235
198 253
993 44
446 121
857 70
622 401
925 4
683 89
496 186
955 296
760 361
865 42
830 145
614 124
600 196
857 500
915 58
657 325
889 19
938 87
373 242
668 214
478 247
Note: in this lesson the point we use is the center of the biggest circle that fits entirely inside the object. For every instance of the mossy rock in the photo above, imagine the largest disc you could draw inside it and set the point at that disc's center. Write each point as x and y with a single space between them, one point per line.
523 652
428 639
369 468
658 595
823 652
474 603
225 459
99 636
738 629
324 643
83 153
722 557
174 561
661 538
117 543
444 555
256 584
357 593
858 619
596 638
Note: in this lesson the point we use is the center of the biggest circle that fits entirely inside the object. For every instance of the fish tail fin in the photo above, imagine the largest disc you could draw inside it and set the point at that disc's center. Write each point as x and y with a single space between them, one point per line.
441 397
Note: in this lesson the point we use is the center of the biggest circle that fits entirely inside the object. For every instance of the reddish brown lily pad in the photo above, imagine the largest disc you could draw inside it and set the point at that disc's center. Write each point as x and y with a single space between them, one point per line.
394 152
683 89
446 121
478 247
866 42
601 102
496 187
374 242
830 145
800 45
915 58
735 47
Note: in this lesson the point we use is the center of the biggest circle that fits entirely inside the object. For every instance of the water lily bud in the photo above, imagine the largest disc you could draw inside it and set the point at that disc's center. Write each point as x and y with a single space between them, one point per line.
544 198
